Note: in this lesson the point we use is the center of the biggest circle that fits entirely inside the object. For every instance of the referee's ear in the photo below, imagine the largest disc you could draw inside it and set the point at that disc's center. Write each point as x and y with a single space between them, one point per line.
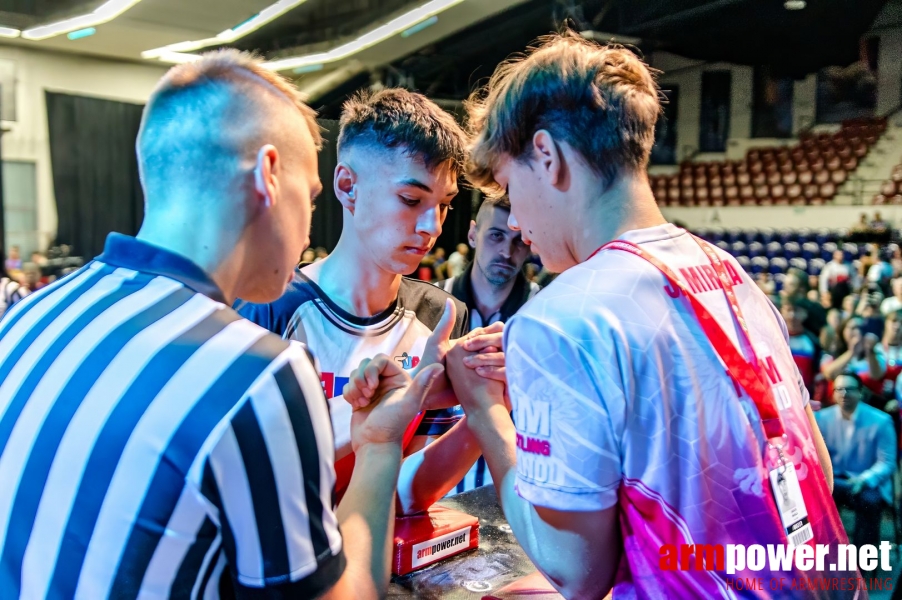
265 174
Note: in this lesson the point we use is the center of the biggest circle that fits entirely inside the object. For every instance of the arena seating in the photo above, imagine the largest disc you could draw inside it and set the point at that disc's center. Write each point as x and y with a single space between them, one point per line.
807 173
775 251
891 189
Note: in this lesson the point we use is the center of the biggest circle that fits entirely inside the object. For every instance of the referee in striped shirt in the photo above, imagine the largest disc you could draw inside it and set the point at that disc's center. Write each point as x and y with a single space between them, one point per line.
152 442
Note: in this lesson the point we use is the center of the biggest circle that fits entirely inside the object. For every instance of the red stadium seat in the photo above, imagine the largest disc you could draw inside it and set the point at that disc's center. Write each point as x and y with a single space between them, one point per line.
827 190
805 177
838 177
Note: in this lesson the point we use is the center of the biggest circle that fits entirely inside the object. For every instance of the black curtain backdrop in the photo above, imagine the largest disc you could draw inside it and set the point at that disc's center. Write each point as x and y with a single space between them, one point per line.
95 170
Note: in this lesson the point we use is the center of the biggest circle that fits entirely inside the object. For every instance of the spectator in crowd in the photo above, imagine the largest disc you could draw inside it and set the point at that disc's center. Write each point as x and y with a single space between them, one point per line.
894 302
32 276
766 283
836 274
38 258
457 262
881 272
848 305
545 277
829 336
895 259
868 309
892 349
859 353
439 266
321 253
795 291
862 446
10 289
862 224
804 345
308 256
14 262
878 224
813 293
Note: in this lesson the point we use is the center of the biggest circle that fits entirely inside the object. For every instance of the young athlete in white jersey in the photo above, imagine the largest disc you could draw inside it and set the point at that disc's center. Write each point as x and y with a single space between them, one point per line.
657 405
399 157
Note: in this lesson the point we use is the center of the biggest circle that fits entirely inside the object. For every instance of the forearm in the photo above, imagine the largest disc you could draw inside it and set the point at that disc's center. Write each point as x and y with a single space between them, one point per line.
366 516
833 369
875 369
432 472
556 549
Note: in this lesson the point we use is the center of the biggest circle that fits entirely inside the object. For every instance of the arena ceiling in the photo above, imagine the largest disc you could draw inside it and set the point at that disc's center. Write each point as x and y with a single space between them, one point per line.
451 45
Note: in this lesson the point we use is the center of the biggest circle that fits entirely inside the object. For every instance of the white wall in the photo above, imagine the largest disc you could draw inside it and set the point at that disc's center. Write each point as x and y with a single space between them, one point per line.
27 138
780 217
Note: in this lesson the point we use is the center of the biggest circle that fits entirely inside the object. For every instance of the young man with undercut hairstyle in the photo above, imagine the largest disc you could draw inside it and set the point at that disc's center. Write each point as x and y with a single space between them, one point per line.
634 436
399 158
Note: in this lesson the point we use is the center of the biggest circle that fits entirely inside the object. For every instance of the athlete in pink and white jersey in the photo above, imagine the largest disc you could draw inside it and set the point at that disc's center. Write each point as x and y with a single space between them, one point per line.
630 432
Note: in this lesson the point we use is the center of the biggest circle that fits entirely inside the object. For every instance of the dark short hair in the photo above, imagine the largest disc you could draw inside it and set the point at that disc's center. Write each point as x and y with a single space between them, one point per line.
398 118
501 202
854 376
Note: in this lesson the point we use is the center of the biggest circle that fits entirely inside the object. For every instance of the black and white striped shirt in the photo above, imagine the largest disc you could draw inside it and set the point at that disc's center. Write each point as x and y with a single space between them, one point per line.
151 439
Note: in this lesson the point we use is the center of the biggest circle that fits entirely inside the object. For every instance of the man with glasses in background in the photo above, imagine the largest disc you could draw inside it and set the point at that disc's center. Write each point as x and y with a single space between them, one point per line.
862 445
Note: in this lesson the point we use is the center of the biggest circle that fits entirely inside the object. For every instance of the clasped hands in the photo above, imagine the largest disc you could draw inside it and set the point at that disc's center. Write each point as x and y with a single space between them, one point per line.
469 370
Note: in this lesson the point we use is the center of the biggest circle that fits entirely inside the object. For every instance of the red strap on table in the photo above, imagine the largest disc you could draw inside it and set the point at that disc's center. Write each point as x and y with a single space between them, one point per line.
750 375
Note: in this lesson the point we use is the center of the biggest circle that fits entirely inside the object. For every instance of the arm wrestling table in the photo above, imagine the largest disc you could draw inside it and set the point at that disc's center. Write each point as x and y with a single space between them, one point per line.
498 561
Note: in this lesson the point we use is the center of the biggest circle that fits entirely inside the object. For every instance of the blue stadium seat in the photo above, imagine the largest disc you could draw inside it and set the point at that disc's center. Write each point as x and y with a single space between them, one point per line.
756 249
766 236
850 250
716 234
792 249
804 235
760 263
733 234
827 250
799 263
779 280
723 245
744 262
739 249
778 265
810 250
774 249
815 266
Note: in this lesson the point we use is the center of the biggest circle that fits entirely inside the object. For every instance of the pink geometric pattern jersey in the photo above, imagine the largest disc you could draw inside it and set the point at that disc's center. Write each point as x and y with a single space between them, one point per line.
620 398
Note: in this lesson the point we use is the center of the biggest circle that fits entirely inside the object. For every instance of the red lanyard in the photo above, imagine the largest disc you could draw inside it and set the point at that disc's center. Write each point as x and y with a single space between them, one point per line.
750 375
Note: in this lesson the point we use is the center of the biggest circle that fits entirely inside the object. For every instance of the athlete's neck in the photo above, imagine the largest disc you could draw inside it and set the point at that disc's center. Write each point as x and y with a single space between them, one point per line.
625 206
487 296
353 281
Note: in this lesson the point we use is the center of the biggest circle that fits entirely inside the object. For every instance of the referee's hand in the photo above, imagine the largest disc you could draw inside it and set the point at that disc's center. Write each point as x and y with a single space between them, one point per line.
385 399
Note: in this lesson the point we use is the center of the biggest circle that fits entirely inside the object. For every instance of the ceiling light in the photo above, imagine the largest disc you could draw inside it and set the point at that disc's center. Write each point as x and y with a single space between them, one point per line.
794 4
367 40
420 26
270 13
9 32
308 69
81 33
106 12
